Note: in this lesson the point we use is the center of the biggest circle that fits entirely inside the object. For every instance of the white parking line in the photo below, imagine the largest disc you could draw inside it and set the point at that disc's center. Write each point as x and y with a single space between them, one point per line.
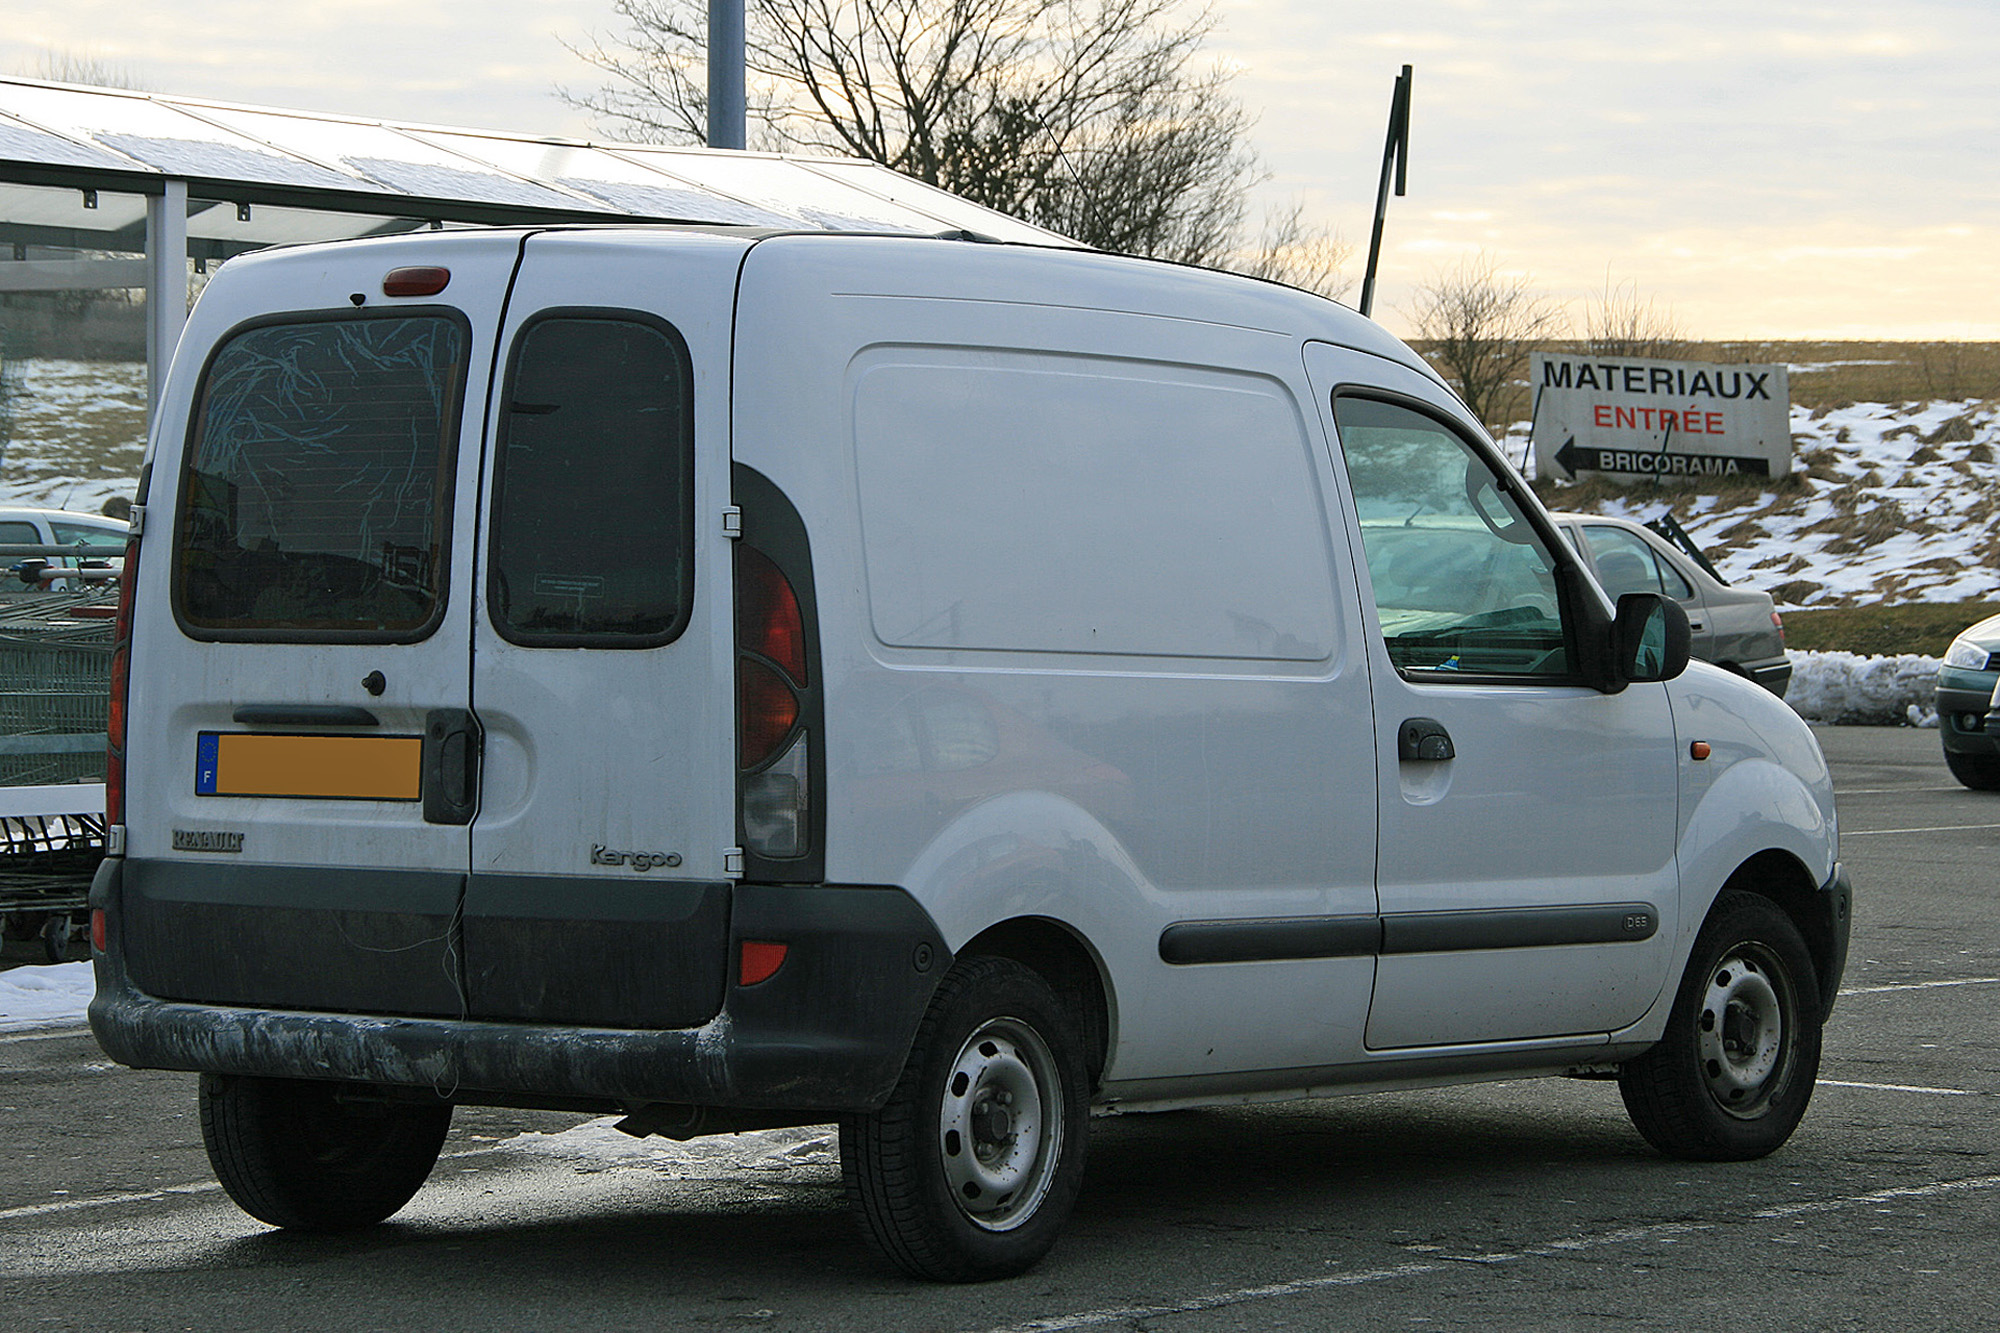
170 1192
1936 828
1922 985
1664 1231
1897 1087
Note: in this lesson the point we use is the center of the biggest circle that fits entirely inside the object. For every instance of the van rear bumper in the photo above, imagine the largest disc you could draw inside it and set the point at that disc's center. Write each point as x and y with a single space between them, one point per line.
829 1031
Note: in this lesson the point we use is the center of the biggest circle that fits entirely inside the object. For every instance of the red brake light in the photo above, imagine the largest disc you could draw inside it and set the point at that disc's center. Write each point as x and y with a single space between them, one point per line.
121 677
419 280
766 710
768 621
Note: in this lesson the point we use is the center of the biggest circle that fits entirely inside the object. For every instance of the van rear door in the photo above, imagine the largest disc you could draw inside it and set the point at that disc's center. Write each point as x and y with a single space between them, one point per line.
300 683
603 652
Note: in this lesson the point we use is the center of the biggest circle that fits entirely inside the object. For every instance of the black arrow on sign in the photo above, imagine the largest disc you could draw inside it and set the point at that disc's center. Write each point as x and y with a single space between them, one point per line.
1574 458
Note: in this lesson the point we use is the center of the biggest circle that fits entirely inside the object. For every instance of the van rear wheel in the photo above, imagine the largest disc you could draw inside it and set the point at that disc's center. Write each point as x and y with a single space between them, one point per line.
971 1168
296 1155
1731 1077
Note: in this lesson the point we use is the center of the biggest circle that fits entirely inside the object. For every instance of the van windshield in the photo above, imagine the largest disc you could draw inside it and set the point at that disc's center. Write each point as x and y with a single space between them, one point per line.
317 491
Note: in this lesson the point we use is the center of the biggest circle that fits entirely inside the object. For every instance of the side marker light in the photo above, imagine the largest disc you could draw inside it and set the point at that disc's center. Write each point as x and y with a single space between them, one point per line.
1699 750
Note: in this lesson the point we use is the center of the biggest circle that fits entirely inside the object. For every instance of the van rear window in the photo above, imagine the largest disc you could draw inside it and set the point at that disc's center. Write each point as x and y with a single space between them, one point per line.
317 490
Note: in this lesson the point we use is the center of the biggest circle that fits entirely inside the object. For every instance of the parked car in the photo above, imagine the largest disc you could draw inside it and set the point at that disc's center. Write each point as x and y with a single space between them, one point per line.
1966 680
727 680
1738 629
20 526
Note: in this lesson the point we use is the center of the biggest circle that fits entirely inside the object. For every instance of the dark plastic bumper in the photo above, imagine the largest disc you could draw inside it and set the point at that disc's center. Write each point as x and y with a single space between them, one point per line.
1963 698
829 1031
1834 923
1775 675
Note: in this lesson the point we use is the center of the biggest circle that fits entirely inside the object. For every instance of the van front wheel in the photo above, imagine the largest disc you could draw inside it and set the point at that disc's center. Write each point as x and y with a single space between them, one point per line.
1731 1077
970 1169
295 1155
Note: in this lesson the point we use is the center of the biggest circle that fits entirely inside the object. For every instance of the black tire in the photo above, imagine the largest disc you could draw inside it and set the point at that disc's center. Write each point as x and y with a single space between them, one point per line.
295 1155
1733 1074
55 938
1977 771
970 1170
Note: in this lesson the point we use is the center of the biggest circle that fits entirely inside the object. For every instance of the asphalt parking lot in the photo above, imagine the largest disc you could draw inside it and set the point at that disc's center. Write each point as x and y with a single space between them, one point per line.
1529 1205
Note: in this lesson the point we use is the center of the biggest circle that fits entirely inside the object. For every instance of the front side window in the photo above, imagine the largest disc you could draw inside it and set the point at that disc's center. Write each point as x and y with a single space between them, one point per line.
1463 585
593 507
316 496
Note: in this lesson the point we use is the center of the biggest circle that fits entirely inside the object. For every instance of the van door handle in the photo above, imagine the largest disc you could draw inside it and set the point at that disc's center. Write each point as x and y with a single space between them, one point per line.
1424 740
305 715
453 740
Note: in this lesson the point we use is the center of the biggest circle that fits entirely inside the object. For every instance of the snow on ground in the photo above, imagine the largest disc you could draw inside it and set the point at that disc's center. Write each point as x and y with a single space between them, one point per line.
1864 691
1896 503
595 1144
41 997
72 433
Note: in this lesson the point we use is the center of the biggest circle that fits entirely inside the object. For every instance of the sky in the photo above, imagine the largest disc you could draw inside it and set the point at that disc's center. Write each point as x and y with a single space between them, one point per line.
1756 169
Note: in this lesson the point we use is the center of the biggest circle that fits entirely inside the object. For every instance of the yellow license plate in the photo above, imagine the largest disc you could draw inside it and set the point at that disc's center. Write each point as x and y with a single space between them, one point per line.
355 768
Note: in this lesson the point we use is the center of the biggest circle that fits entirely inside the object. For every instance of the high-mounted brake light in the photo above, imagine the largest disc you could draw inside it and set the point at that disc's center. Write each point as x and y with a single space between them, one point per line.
419 280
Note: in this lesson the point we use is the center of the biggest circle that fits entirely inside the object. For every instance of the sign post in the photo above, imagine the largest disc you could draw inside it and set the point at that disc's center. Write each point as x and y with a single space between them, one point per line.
1636 419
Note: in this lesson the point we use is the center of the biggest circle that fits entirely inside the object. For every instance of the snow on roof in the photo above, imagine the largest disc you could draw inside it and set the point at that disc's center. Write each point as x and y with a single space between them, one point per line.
55 135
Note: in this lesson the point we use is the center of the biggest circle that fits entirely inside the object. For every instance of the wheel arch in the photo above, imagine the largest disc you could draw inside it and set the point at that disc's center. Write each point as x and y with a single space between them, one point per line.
1785 881
1068 964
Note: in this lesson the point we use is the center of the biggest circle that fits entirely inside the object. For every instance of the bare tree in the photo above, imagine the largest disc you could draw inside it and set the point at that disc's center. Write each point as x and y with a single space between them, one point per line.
69 67
1477 325
1094 118
1290 251
1618 323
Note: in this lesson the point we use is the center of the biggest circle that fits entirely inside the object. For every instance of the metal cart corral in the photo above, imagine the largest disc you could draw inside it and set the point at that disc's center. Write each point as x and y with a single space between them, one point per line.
55 676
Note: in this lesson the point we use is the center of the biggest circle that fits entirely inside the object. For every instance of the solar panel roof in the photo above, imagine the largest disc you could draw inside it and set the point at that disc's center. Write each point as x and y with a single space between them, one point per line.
298 175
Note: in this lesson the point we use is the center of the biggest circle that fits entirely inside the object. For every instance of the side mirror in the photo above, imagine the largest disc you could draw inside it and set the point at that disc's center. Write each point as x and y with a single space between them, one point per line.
1650 638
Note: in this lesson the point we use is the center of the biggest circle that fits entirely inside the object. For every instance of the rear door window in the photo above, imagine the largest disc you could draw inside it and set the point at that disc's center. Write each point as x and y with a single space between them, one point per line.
593 506
317 496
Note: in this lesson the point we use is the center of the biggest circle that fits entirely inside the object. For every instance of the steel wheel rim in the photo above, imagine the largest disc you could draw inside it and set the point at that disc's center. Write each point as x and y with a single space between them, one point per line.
1741 1035
1000 1124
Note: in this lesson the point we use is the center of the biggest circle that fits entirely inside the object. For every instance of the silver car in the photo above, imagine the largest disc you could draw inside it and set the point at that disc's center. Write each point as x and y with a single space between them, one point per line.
1735 628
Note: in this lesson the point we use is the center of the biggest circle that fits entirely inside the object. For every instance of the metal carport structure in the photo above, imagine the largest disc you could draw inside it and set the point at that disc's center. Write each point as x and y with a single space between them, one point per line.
170 180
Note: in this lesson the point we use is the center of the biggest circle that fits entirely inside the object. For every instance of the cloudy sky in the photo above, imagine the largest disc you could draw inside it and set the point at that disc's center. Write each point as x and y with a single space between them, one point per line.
1759 168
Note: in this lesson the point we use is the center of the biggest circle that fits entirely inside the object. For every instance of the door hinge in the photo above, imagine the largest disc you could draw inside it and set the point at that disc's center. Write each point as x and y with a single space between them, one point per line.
138 520
732 862
732 522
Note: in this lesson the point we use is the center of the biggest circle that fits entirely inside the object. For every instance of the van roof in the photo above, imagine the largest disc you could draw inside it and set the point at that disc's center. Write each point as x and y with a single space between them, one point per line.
1129 283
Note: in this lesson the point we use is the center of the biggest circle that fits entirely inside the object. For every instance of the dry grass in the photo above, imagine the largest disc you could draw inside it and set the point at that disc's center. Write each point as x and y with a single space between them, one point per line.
1910 627
1836 374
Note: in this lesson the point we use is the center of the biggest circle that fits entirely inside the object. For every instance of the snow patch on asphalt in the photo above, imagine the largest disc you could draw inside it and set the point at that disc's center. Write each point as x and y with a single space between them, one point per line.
41 997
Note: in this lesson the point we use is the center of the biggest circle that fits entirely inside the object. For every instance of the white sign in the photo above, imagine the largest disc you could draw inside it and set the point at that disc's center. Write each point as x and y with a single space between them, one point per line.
1629 418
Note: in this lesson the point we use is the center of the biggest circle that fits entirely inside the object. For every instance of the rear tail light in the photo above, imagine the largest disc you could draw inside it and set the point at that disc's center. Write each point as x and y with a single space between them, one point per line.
773 749
121 679
1778 624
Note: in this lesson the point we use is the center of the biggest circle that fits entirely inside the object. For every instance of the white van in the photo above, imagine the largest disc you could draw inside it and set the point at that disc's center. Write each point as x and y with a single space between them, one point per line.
733 679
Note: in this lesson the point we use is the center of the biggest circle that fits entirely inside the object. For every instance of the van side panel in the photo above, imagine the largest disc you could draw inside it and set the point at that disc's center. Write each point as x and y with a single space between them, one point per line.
1091 647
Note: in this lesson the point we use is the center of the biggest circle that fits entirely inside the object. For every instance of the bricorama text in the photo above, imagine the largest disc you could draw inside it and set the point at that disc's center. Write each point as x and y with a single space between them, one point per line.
1666 465
1691 422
